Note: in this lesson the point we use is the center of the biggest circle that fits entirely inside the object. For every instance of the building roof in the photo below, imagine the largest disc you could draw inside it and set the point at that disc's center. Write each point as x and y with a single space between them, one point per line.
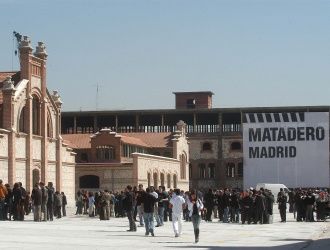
153 140
77 140
149 140
194 93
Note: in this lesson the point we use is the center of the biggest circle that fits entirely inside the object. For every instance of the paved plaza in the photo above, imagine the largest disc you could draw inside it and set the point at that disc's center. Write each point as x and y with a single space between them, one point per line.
82 232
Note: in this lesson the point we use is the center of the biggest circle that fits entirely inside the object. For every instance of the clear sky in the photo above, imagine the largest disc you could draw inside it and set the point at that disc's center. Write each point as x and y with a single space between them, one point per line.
248 52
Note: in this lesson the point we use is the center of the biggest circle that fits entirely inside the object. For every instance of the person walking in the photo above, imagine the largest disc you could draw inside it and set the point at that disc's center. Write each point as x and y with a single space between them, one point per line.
128 204
195 206
177 203
148 203
91 204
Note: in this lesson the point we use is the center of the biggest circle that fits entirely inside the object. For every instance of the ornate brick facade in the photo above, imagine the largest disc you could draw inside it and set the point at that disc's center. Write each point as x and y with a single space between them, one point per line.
32 149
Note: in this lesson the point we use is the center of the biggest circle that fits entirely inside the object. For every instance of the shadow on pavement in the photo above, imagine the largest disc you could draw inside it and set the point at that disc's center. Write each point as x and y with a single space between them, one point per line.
321 244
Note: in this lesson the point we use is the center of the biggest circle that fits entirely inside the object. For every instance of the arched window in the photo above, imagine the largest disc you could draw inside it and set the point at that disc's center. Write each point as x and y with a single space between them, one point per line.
231 170
236 145
206 146
89 181
49 126
22 121
174 181
105 153
183 163
211 171
149 179
168 180
240 169
190 171
202 170
35 115
162 179
155 177
35 176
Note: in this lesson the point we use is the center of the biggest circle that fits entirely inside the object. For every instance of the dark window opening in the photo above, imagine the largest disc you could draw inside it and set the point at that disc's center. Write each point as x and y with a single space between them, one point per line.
89 181
240 169
236 146
207 146
84 157
202 170
211 170
231 170
191 103
22 120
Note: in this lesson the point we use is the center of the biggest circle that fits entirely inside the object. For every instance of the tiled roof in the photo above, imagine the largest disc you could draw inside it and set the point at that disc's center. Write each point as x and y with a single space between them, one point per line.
152 140
77 140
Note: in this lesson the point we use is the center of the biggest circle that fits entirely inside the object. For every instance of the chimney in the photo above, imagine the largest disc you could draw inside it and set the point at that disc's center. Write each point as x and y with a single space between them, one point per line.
25 52
41 51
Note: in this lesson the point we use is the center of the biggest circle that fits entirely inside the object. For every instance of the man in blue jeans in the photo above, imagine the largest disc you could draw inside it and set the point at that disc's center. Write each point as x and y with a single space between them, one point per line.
148 202
162 198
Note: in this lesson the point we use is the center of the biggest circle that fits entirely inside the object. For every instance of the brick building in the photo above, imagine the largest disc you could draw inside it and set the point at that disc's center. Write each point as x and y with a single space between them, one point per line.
110 160
215 134
31 148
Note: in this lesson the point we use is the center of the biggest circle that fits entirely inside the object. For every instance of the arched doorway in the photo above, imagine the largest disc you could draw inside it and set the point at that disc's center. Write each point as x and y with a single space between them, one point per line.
175 181
162 179
155 180
35 176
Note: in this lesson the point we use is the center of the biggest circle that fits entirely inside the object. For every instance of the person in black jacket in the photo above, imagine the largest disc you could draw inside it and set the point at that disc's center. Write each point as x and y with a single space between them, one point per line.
128 202
282 200
8 203
269 206
17 197
209 204
246 204
37 201
64 203
50 202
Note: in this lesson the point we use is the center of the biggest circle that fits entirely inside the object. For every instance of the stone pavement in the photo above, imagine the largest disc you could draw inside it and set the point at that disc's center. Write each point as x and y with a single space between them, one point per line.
81 232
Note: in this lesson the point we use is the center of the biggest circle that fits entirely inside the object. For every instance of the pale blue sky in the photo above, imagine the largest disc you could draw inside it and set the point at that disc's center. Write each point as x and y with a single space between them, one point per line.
248 52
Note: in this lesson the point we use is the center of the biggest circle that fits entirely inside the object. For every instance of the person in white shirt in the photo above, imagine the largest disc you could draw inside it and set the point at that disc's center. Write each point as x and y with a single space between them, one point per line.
177 203
195 206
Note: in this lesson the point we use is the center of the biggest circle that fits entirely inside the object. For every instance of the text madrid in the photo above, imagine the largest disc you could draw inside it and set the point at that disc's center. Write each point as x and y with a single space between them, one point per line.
288 134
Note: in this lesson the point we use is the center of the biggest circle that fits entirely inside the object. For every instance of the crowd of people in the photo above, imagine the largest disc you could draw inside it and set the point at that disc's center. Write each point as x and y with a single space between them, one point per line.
44 202
150 205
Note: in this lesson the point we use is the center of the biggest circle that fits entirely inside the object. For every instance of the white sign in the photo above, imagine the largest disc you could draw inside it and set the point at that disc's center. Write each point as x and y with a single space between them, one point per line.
286 148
